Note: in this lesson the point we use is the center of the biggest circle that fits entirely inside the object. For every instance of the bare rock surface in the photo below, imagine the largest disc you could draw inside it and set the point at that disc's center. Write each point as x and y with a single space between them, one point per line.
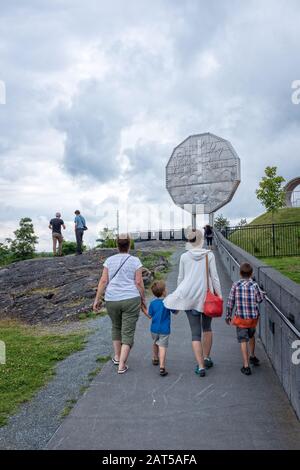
50 290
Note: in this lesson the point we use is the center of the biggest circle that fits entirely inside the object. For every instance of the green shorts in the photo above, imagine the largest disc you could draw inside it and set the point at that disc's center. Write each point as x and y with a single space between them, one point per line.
124 315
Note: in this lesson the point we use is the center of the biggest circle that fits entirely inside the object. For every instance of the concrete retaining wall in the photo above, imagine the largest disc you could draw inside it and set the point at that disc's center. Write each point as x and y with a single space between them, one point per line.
277 337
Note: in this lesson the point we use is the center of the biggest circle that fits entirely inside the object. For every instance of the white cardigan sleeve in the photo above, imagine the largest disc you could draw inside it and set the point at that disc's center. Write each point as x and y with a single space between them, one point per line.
180 272
214 275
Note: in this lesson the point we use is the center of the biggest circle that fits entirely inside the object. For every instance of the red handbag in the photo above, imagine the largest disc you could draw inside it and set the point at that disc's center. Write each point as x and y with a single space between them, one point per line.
213 304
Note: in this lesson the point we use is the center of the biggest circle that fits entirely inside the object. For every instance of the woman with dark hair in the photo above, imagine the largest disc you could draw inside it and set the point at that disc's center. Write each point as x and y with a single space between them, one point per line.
123 285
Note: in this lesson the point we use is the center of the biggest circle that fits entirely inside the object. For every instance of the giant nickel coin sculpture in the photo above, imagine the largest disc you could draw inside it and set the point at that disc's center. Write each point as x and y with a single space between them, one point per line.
203 173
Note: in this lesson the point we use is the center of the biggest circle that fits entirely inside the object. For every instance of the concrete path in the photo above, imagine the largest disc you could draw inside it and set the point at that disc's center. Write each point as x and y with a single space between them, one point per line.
224 410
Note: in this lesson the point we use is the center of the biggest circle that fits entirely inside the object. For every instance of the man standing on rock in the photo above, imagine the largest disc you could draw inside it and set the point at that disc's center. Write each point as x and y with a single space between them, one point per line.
55 225
80 227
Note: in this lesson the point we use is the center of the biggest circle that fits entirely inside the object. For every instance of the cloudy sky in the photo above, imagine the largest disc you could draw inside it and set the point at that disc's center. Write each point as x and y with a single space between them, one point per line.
98 94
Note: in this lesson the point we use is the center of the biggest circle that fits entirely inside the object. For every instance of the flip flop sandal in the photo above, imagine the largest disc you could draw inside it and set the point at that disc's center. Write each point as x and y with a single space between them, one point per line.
122 371
115 362
163 372
155 362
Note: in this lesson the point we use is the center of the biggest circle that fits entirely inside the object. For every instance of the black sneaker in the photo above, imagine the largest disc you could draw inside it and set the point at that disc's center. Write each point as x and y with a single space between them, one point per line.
200 372
208 363
254 360
246 370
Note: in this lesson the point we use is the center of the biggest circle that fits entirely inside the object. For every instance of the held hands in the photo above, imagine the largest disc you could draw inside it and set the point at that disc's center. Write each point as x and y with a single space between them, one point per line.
144 309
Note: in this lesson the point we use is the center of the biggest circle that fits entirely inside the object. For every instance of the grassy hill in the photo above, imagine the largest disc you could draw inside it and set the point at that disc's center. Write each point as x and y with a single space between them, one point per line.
260 241
283 216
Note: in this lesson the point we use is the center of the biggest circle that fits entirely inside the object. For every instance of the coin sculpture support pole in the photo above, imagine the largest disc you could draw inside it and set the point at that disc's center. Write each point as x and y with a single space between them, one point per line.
194 220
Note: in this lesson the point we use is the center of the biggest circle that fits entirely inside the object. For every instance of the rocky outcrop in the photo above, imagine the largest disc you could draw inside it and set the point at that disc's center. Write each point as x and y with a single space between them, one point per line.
45 290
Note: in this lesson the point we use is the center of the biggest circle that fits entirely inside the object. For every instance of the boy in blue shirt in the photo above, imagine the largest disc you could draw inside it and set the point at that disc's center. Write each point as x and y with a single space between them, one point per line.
160 325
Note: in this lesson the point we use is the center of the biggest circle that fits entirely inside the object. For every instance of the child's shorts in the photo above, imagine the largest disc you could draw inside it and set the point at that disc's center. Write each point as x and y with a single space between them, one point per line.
160 340
244 334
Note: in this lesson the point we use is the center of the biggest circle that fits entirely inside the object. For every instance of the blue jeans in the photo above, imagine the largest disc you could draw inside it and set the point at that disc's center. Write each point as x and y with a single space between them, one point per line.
79 237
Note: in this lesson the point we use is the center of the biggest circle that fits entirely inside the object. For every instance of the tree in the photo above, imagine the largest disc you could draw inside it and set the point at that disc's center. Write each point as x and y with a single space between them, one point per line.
242 223
4 253
108 238
270 191
23 246
221 222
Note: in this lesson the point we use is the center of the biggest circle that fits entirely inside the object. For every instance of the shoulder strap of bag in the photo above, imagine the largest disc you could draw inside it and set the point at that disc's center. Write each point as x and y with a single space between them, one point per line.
207 272
121 265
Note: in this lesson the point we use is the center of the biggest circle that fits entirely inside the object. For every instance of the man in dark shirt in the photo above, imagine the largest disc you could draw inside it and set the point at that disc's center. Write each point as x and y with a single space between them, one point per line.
55 225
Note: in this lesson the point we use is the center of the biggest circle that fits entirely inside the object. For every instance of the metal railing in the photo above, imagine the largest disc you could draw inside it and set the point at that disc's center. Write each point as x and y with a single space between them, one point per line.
267 240
166 234
279 336
276 309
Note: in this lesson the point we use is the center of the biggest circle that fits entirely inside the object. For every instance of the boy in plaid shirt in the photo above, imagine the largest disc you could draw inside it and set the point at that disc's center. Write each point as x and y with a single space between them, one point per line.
244 297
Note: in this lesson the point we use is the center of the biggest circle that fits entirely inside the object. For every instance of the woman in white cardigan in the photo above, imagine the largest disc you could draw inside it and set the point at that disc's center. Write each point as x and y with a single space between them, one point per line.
190 296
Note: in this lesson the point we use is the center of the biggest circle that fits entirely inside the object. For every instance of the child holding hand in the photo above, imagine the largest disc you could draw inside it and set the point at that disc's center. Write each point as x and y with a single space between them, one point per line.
160 325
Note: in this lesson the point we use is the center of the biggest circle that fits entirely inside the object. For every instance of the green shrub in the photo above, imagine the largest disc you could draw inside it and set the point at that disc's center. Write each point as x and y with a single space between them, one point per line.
109 243
69 248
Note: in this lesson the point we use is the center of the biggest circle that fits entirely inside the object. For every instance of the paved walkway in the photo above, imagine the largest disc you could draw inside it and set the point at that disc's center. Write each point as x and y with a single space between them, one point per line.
224 410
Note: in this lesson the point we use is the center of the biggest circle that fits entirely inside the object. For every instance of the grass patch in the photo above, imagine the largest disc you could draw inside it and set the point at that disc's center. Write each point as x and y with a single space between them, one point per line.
83 389
68 408
149 260
261 242
43 290
93 373
287 215
92 315
101 360
31 356
288 266
75 303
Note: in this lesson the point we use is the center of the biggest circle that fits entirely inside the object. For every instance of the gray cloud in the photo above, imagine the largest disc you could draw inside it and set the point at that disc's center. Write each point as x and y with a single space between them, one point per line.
146 175
92 127
79 77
